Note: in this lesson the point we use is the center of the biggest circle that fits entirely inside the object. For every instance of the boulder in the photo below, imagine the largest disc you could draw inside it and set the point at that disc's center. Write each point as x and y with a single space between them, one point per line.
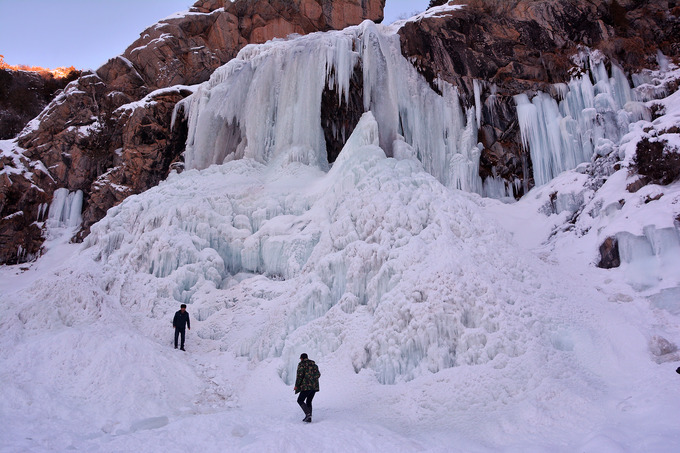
609 254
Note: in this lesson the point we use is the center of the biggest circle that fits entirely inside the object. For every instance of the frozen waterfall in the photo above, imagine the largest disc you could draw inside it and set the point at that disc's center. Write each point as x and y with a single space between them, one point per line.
588 119
275 262
66 209
266 105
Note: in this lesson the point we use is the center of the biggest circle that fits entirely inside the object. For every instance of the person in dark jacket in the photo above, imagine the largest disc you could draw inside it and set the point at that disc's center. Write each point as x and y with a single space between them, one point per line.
307 384
181 320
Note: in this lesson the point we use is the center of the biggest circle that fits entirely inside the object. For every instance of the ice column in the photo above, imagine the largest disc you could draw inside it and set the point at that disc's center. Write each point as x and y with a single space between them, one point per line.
561 135
65 209
650 257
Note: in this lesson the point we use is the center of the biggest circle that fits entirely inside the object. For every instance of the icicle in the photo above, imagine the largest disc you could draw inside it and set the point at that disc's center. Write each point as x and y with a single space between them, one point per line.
562 136
662 60
478 102
65 209
266 105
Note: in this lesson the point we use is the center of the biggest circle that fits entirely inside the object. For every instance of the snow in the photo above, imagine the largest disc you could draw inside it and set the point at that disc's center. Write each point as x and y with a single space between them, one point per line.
441 10
10 150
150 99
440 320
378 271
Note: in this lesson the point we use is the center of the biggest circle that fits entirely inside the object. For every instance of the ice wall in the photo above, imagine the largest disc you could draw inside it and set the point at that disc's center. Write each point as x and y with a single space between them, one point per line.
590 113
374 260
66 209
266 105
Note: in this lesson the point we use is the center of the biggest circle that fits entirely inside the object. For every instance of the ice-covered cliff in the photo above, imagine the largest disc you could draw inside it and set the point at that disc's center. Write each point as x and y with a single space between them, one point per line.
267 102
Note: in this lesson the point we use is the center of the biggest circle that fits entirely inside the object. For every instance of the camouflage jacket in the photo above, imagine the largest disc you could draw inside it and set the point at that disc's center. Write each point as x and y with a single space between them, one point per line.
307 376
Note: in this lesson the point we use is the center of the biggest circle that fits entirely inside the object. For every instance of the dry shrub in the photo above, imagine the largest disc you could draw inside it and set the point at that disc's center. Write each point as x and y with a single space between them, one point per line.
494 8
657 160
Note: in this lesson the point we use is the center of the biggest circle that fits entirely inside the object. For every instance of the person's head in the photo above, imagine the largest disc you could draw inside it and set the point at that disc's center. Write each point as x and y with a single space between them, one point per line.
678 370
183 307
303 356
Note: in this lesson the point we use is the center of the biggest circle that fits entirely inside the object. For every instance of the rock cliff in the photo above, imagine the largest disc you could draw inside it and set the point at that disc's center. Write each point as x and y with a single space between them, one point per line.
23 95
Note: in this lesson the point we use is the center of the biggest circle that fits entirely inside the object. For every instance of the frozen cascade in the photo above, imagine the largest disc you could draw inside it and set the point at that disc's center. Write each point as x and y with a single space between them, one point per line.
66 209
283 258
266 105
560 136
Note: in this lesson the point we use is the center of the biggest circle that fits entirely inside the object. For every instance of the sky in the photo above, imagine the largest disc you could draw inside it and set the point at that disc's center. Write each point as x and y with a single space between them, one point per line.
86 33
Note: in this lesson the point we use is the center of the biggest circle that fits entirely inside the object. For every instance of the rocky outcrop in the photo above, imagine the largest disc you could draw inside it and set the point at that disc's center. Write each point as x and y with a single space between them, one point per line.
525 46
108 134
23 95
186 49
609 254
657 161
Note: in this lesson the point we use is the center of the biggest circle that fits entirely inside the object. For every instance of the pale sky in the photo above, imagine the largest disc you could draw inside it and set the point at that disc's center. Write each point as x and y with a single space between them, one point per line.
86 33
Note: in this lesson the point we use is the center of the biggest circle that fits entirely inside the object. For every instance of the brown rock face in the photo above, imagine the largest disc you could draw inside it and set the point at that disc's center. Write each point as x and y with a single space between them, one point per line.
526 45
609 254
108 134
23 95
187 49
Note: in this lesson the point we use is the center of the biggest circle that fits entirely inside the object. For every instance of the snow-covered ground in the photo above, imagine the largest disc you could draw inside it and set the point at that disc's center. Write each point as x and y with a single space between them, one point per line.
435 329
440 320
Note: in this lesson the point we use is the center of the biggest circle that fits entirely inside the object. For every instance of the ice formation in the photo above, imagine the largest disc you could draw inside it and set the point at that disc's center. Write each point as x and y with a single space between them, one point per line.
649 256
601 198
588 119
371 265
375 248
66 209
266 105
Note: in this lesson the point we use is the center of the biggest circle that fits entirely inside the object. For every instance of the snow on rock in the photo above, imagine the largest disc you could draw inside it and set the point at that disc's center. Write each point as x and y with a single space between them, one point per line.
607 197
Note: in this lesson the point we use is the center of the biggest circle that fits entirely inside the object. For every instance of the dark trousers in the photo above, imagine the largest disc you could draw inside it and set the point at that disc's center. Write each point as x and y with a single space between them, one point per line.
305 401
177 332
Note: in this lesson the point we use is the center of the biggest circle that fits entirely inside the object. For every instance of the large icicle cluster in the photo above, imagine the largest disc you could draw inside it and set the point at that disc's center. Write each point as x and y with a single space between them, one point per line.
375 256
609 201
593 114
66 209
266 105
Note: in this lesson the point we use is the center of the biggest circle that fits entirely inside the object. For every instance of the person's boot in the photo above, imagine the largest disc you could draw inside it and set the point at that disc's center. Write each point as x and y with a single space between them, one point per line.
305 409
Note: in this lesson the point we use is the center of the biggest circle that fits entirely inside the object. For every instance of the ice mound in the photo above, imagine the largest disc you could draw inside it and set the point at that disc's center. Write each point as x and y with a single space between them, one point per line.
376 256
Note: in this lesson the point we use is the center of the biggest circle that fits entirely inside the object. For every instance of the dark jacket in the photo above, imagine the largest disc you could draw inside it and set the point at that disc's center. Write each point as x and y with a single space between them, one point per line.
180 320
307 376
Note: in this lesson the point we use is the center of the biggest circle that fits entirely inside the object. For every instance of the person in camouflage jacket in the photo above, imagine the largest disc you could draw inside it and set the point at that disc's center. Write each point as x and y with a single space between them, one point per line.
307 384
